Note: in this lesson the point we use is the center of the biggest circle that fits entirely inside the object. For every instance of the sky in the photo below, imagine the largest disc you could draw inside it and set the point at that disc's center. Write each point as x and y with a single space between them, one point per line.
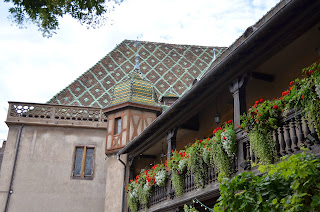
34 68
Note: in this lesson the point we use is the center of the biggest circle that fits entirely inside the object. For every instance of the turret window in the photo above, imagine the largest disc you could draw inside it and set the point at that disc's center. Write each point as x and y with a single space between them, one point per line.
117 125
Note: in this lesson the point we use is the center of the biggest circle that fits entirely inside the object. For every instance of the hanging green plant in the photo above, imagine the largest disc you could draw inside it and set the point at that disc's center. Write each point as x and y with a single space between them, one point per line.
140 189
196 163
260 121
133 200
177 182
223 145
178 165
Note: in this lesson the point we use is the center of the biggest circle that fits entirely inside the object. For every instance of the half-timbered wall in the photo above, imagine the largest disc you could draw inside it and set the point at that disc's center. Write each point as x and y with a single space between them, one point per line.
133 122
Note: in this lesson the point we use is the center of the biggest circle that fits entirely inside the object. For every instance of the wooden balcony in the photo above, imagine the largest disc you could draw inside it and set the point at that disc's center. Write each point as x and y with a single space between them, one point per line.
294 132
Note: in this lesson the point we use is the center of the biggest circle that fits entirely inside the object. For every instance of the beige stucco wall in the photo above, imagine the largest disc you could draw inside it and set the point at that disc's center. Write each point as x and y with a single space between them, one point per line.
43 177
114 183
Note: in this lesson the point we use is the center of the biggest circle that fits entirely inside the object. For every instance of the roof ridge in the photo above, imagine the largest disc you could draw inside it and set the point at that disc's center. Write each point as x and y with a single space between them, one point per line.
174 44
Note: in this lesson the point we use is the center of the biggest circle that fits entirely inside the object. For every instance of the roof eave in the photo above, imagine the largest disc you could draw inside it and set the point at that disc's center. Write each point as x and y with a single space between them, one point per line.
256 48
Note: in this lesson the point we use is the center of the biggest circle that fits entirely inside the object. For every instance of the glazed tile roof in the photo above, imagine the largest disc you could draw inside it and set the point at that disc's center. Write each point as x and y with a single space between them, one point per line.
134 89
164 65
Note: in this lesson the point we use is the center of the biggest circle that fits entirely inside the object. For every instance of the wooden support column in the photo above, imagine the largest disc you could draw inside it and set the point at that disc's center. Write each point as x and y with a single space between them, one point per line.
238 90
171 139
131 168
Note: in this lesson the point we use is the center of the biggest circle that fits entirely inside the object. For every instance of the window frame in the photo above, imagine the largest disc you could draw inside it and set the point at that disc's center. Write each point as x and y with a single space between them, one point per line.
83 163
116 127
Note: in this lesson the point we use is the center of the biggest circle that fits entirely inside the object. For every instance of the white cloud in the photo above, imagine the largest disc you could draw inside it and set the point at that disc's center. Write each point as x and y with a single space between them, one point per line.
33 68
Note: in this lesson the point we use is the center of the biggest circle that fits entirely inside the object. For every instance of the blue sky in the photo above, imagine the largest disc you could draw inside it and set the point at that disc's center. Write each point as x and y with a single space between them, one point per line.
33 68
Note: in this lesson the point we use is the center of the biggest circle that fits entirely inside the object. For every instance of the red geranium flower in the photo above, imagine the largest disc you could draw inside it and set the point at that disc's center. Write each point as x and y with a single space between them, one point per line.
208 139
256 102
230 121
239 126
259 114
261 100
275 107
302 97
310 72
291 83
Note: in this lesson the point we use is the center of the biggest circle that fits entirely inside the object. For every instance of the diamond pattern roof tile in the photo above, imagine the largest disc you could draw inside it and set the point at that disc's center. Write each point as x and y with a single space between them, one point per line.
175 65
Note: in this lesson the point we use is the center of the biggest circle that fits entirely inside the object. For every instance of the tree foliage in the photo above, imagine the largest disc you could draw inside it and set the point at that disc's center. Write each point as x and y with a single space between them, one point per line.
291 185
46 13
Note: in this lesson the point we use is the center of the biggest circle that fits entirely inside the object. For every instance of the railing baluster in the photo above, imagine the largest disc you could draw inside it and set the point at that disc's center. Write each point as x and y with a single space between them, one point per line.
294 135
282 141
247 143
288 138
277 143
300 131
307 132
314 133
253 157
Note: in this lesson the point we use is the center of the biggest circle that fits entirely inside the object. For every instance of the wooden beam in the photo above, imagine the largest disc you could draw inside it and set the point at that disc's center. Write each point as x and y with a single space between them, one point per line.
147 156
262 76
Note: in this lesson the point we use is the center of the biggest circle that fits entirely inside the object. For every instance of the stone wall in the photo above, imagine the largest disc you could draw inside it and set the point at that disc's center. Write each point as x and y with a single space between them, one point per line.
43 178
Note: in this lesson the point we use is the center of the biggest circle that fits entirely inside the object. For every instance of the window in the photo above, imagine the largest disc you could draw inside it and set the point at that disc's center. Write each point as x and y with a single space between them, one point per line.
117 126
83 163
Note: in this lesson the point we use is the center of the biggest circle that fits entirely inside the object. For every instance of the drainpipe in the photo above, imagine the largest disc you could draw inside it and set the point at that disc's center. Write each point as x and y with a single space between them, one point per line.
124 180
13 169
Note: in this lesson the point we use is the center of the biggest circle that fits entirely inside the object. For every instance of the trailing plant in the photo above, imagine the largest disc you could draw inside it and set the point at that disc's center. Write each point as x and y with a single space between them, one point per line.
263 146
178 165
260 121
291 185
304 94
177 182
133 200
223 145
196 163
139 190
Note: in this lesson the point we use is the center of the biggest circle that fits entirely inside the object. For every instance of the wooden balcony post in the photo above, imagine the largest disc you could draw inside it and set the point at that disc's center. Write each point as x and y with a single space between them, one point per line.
238 90
171 139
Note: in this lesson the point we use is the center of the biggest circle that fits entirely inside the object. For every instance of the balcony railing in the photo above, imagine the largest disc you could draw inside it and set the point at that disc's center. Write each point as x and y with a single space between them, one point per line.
293 133
55 114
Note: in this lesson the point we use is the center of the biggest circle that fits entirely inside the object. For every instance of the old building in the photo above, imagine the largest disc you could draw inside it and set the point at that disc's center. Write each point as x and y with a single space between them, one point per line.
77 152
